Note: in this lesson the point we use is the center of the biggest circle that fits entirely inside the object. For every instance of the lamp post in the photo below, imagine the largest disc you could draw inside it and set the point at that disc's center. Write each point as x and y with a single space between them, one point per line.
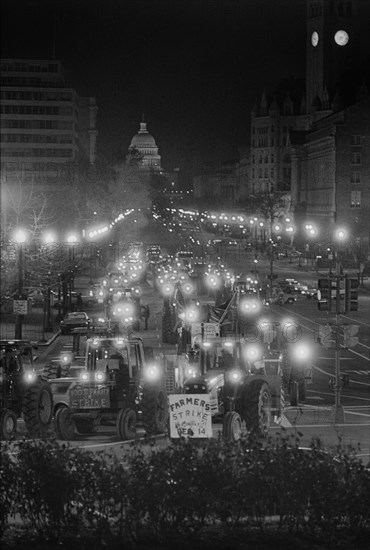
20 238
71 240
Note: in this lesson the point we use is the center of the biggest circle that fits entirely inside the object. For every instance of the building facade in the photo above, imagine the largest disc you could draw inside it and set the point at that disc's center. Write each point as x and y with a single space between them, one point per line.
330 159
44 122
144 146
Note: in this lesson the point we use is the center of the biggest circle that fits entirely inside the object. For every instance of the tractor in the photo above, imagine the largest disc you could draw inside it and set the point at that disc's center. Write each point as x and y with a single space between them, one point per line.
115 383
24 393
240 388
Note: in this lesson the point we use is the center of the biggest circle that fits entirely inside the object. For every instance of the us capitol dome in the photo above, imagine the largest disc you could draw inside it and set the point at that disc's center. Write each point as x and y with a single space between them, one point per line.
145 144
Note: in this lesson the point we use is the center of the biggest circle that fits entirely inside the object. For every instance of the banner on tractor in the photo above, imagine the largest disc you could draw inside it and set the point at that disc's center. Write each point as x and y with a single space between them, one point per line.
190 416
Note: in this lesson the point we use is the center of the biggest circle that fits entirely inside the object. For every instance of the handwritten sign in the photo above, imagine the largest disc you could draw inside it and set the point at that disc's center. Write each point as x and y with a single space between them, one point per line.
190 416
89 397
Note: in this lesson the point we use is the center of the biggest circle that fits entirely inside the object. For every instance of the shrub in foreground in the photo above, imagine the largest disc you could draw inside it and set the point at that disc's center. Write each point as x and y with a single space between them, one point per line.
192 490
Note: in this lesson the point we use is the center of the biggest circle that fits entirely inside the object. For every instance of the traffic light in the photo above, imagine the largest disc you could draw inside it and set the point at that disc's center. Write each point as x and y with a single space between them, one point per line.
324 294
351 295
349 338
325 336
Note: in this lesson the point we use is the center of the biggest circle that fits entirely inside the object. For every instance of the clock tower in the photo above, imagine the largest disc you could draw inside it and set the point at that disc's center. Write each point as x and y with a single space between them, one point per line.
333 46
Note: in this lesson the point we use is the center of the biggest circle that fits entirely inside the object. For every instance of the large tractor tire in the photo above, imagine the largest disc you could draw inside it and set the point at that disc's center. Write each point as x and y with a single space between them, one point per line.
87 426
126 424
64 423
38 408
8 424
54 370
154 409
232 426
254 405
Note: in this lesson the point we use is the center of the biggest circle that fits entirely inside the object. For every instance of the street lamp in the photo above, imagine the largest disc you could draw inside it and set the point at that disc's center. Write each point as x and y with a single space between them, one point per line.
71 240
20 237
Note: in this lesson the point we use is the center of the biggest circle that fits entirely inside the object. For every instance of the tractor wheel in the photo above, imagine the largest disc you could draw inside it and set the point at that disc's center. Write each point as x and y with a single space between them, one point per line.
8 422
64 424
86 425
255 404
126 424
38 408
294 393
154 409
232 426
53 370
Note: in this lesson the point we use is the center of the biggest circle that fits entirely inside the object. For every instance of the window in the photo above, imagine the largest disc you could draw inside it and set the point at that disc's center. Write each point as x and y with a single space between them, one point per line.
356 158
355 177
355 199
355 140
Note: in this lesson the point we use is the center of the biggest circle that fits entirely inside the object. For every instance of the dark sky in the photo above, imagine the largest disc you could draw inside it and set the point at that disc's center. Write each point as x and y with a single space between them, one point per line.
194 67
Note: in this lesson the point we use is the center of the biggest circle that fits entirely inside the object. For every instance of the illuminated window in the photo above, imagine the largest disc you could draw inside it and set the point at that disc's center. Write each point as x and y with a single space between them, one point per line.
355 199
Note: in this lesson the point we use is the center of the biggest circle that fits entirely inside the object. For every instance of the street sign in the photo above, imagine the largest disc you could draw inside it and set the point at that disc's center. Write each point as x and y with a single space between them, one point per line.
20 307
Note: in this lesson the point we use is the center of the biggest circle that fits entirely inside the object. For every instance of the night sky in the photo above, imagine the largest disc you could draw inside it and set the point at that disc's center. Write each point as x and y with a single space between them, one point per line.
194 67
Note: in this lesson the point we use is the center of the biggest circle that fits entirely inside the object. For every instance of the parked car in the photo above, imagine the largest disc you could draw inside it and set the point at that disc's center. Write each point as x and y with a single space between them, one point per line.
75 319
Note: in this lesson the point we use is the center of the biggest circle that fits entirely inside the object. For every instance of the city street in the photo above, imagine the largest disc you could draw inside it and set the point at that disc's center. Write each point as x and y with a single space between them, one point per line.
312 419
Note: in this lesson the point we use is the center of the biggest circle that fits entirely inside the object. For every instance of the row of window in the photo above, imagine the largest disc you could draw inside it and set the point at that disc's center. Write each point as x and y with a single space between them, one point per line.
38 124
29 68
263 130
33 95
37 153
35 138
264 142
340 9
28 81
36 110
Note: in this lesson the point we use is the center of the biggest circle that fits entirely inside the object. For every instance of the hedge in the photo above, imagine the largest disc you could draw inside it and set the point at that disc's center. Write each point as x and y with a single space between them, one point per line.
191 493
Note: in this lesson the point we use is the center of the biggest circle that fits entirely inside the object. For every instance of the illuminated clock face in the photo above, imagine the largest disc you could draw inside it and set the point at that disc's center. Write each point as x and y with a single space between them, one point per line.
314 38
341 38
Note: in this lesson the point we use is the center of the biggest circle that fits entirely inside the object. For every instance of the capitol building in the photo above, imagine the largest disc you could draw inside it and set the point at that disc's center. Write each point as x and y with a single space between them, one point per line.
143 144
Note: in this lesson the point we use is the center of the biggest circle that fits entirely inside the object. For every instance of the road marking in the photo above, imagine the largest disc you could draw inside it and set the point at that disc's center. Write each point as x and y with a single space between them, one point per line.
359 354
353 321
356 413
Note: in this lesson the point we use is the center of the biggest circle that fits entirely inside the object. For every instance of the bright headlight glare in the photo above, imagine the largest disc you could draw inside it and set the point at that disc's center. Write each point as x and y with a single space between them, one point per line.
253 353
66 358
235 375
30 376
152 372
99 376
84 376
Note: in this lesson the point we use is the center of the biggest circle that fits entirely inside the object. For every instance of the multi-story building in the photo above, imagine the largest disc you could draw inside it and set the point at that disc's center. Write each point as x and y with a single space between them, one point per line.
310 138
44 123
272 119
331 159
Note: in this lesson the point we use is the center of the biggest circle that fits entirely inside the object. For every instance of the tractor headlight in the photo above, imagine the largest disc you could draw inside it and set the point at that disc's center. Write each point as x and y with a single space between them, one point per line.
234 375
152 372
99 376
66 358
190 372
29 376
84 377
